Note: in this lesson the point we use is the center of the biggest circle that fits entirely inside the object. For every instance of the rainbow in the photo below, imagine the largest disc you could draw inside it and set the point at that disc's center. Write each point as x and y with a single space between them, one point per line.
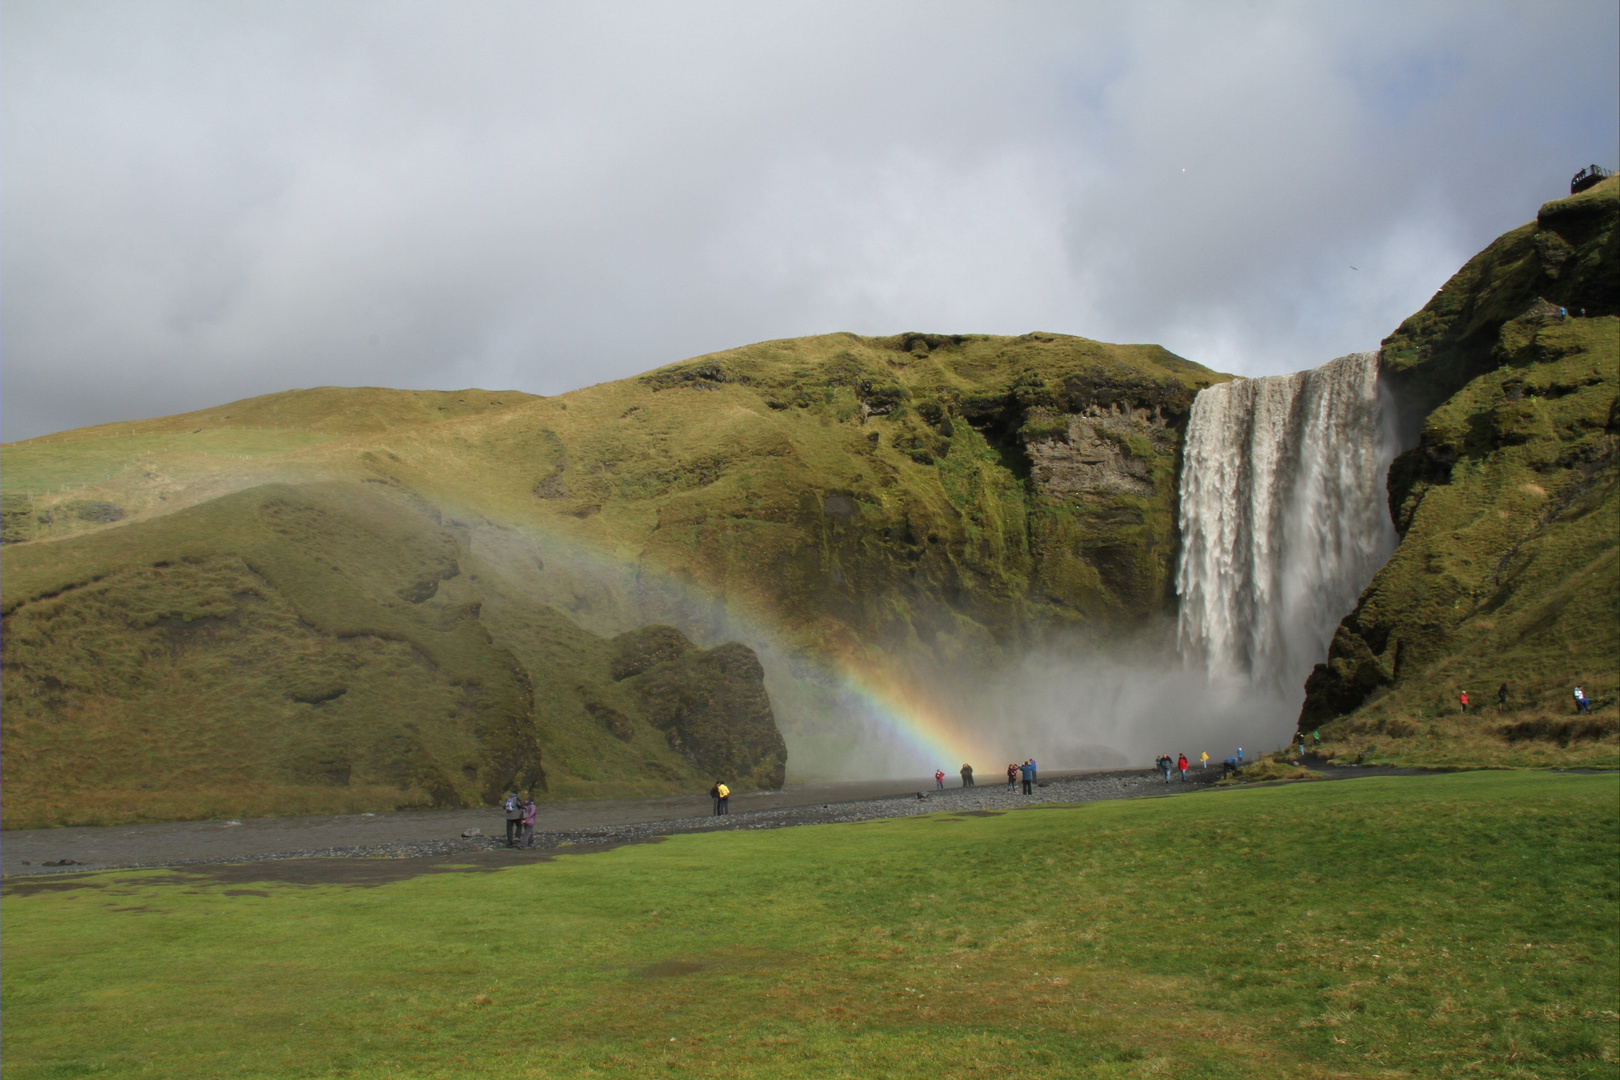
916 727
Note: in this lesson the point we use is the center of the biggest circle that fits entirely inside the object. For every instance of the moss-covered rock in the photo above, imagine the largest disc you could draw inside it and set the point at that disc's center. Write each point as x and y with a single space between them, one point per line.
714 711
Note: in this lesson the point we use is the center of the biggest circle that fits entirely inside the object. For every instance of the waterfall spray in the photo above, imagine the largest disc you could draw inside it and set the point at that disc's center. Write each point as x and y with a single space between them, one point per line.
1283 517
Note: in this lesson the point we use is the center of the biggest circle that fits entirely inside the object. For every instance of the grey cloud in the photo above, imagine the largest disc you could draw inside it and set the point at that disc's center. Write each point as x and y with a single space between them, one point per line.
204 201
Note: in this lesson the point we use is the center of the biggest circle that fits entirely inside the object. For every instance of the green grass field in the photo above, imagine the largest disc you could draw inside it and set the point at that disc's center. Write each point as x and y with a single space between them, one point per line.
1460 925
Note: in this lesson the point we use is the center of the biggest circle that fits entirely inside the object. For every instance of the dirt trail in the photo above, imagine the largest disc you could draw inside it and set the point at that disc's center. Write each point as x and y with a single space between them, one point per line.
433 838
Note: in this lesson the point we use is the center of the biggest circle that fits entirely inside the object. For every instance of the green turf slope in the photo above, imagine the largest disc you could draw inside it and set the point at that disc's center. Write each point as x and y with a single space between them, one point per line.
1508 569
1459 925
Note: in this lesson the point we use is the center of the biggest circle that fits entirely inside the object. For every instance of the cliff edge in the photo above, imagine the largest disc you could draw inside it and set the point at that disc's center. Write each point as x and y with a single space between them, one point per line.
1507 573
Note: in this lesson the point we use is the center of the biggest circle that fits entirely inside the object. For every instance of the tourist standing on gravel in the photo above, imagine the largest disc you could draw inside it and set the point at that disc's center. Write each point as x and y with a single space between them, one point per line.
1203 760
967 775
1162 763
714 793
939 779
529 812
1181 763
725 798
1012 778
1034 779
1028 772
514 817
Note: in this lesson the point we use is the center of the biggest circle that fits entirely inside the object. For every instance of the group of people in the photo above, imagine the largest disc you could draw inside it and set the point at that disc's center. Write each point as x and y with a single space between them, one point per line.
1166 764
722 799
520 813
1015 773
1583 704
1024 773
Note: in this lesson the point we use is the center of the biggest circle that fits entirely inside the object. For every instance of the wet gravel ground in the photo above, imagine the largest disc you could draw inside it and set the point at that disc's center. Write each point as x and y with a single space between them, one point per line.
579 826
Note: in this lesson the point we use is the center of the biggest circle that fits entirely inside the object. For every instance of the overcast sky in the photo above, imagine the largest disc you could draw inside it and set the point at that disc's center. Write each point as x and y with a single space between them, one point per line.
202 202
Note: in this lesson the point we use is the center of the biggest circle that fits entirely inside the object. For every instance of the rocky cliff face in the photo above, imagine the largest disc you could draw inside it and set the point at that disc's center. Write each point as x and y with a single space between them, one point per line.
1100 452
1506 571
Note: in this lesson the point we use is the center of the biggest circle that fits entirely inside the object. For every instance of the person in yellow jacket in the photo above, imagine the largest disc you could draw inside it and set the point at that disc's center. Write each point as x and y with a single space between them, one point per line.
722 796
1203 760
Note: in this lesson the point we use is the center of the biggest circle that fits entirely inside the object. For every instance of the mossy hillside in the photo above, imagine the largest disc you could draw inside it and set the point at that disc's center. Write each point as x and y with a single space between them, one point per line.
1507 568
858 492
737 453
311 648
830 485
859 497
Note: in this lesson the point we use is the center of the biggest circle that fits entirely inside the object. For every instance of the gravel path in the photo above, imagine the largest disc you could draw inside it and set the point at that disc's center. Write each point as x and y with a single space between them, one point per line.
436 835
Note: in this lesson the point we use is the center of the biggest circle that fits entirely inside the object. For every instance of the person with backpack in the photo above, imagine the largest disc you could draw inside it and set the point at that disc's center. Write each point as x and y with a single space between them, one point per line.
1028 773
1163 763
514 817
1229 767
939 779
529 812
725 798
1181 764
1032 777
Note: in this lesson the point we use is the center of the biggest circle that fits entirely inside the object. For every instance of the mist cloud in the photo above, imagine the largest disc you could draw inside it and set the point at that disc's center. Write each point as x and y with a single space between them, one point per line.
203 202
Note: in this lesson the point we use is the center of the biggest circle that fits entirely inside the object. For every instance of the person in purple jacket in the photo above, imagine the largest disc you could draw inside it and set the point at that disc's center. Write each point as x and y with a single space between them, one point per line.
529 811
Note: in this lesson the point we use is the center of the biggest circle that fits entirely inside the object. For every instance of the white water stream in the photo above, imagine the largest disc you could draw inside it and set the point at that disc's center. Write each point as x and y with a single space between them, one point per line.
1283 518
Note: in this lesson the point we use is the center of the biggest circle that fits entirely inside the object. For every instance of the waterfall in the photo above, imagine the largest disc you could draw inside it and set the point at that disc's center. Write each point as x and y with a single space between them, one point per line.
1283 517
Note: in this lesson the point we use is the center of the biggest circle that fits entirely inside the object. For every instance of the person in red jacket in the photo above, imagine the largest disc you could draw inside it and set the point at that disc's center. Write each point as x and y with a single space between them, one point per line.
939 779
1463 697
1181 763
